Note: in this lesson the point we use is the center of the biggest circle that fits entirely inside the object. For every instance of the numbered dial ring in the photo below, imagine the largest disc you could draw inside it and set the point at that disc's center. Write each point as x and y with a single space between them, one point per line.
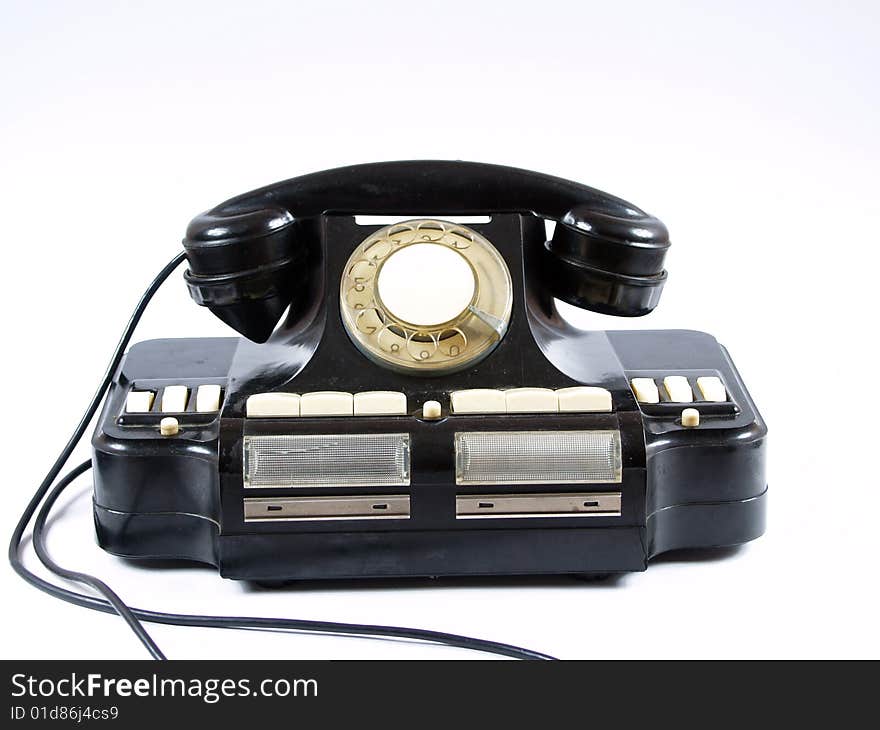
426 296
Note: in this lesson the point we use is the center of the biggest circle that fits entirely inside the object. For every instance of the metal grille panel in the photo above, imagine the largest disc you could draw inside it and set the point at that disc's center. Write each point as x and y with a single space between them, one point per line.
537 457
341 460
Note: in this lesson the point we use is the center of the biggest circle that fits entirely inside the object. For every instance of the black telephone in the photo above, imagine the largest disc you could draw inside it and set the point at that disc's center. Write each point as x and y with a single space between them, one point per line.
423 410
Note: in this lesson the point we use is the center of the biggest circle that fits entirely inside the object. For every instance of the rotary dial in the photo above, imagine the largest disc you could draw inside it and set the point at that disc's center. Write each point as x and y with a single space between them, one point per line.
426 296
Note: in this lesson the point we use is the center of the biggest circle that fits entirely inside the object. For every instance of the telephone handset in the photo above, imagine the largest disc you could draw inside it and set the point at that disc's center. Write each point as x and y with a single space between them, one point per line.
423 410
249 258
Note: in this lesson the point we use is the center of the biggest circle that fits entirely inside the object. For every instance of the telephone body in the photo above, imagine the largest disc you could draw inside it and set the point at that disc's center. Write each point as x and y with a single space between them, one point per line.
448 422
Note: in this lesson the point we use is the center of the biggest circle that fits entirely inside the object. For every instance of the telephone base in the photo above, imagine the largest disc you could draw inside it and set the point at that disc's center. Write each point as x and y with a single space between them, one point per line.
184 496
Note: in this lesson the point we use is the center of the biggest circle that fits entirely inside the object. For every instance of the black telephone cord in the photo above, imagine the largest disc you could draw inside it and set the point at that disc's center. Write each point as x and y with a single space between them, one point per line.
112 603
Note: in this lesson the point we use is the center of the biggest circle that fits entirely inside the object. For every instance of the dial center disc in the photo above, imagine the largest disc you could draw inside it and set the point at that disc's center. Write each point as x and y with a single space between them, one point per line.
426 284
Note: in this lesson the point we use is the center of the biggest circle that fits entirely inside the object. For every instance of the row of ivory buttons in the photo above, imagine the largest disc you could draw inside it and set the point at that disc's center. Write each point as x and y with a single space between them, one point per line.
678 388
174 399
577 399
580 399
328 403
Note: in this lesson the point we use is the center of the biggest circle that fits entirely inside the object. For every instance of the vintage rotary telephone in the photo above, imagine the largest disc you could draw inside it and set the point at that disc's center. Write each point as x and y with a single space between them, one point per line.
423 409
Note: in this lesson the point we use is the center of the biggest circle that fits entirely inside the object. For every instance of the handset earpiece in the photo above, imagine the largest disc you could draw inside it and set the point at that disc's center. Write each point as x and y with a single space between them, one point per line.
607 259
247 263
245 266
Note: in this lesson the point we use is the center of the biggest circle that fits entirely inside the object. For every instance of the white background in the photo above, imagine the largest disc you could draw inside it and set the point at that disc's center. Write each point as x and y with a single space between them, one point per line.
750 128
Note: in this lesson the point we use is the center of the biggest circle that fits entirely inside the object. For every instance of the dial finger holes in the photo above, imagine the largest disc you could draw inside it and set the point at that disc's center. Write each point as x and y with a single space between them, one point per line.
421 346
461 239
402 235
452 342
377 250
430 231
369 321
359 297
362 271
391 339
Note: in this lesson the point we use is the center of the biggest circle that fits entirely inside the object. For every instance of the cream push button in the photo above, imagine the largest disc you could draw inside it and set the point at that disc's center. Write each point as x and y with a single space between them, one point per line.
208 398
174 398
478 400
273 405
678 389
380 403
584 399
645 390
432 410
690 418
139 401
531 400
712 389
326 403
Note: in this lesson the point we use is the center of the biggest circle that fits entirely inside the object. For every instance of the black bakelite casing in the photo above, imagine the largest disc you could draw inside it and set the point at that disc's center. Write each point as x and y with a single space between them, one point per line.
182 497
